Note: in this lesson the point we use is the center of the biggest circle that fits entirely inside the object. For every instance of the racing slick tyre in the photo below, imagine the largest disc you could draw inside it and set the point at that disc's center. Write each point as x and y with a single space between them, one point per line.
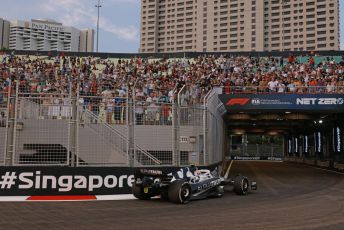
164 195
241 185
138 192
179 192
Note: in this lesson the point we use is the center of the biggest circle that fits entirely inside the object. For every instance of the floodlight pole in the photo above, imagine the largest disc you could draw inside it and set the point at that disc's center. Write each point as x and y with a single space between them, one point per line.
283 5
98 7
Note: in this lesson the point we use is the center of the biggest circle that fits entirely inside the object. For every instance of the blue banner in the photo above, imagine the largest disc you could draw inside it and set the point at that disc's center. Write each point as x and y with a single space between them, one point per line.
285 102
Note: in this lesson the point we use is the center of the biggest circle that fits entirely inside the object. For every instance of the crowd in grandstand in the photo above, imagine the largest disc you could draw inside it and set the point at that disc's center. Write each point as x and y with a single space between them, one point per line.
156 81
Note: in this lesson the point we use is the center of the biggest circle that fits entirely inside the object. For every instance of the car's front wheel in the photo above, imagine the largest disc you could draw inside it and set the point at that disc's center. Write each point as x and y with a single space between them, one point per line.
241 185
219 192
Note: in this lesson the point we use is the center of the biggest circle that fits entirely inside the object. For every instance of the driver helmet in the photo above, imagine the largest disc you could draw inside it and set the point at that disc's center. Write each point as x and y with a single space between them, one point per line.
194 170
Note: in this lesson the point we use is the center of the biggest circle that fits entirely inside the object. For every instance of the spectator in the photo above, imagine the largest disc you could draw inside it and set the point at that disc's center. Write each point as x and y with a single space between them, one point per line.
105 84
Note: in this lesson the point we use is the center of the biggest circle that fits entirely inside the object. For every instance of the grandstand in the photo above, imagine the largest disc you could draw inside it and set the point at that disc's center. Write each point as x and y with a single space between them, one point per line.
64 109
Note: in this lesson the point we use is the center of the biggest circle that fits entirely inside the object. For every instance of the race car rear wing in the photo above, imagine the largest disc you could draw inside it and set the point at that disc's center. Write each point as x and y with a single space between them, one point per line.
154 173
151 172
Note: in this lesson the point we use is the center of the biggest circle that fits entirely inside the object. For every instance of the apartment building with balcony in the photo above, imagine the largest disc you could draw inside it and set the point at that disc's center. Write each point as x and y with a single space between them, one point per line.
238 25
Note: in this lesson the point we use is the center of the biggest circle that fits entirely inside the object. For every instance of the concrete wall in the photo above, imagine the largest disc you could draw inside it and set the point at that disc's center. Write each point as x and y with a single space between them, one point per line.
160 138
93 149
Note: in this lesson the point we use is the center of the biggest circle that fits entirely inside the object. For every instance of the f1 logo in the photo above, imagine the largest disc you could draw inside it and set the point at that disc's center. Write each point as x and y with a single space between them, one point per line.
238 101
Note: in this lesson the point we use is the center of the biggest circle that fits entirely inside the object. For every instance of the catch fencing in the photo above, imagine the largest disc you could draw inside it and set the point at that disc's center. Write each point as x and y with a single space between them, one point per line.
42 129
68 129
214 128
4 108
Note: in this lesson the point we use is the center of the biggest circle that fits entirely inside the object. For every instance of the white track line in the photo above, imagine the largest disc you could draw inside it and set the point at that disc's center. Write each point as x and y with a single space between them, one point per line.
13 198
99 198
229 168
116 197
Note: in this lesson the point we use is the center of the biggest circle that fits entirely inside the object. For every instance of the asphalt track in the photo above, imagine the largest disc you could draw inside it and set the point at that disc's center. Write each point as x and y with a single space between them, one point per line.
290 196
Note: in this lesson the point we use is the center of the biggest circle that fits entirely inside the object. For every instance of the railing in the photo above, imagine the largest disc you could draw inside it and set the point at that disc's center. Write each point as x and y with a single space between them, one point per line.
107 109
152 113
117 139
192 95
44 106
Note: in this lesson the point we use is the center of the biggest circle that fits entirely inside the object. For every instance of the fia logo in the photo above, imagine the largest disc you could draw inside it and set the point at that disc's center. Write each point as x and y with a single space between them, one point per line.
256 101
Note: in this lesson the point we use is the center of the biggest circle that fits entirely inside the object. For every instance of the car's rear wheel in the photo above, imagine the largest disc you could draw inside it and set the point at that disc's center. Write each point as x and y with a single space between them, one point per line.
138 192
241 185
179 192
164 195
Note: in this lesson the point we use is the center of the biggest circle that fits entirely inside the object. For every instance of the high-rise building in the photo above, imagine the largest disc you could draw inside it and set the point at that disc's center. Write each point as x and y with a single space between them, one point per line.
86 40
49 35
239 25
4 33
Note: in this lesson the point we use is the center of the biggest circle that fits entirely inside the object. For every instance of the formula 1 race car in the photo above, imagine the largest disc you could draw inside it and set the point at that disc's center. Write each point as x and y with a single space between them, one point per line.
186 184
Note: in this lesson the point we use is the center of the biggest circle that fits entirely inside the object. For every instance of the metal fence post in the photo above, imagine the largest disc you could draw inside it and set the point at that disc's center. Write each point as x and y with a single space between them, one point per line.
176 135
205 134
72 149
131 132
205 128
11 125
77 125
131 125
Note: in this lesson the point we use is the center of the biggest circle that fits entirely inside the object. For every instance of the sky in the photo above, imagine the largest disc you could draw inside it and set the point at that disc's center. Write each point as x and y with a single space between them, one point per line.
119 19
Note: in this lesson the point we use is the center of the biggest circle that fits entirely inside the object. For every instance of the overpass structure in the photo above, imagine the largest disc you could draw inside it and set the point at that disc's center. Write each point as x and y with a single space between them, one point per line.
306 127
